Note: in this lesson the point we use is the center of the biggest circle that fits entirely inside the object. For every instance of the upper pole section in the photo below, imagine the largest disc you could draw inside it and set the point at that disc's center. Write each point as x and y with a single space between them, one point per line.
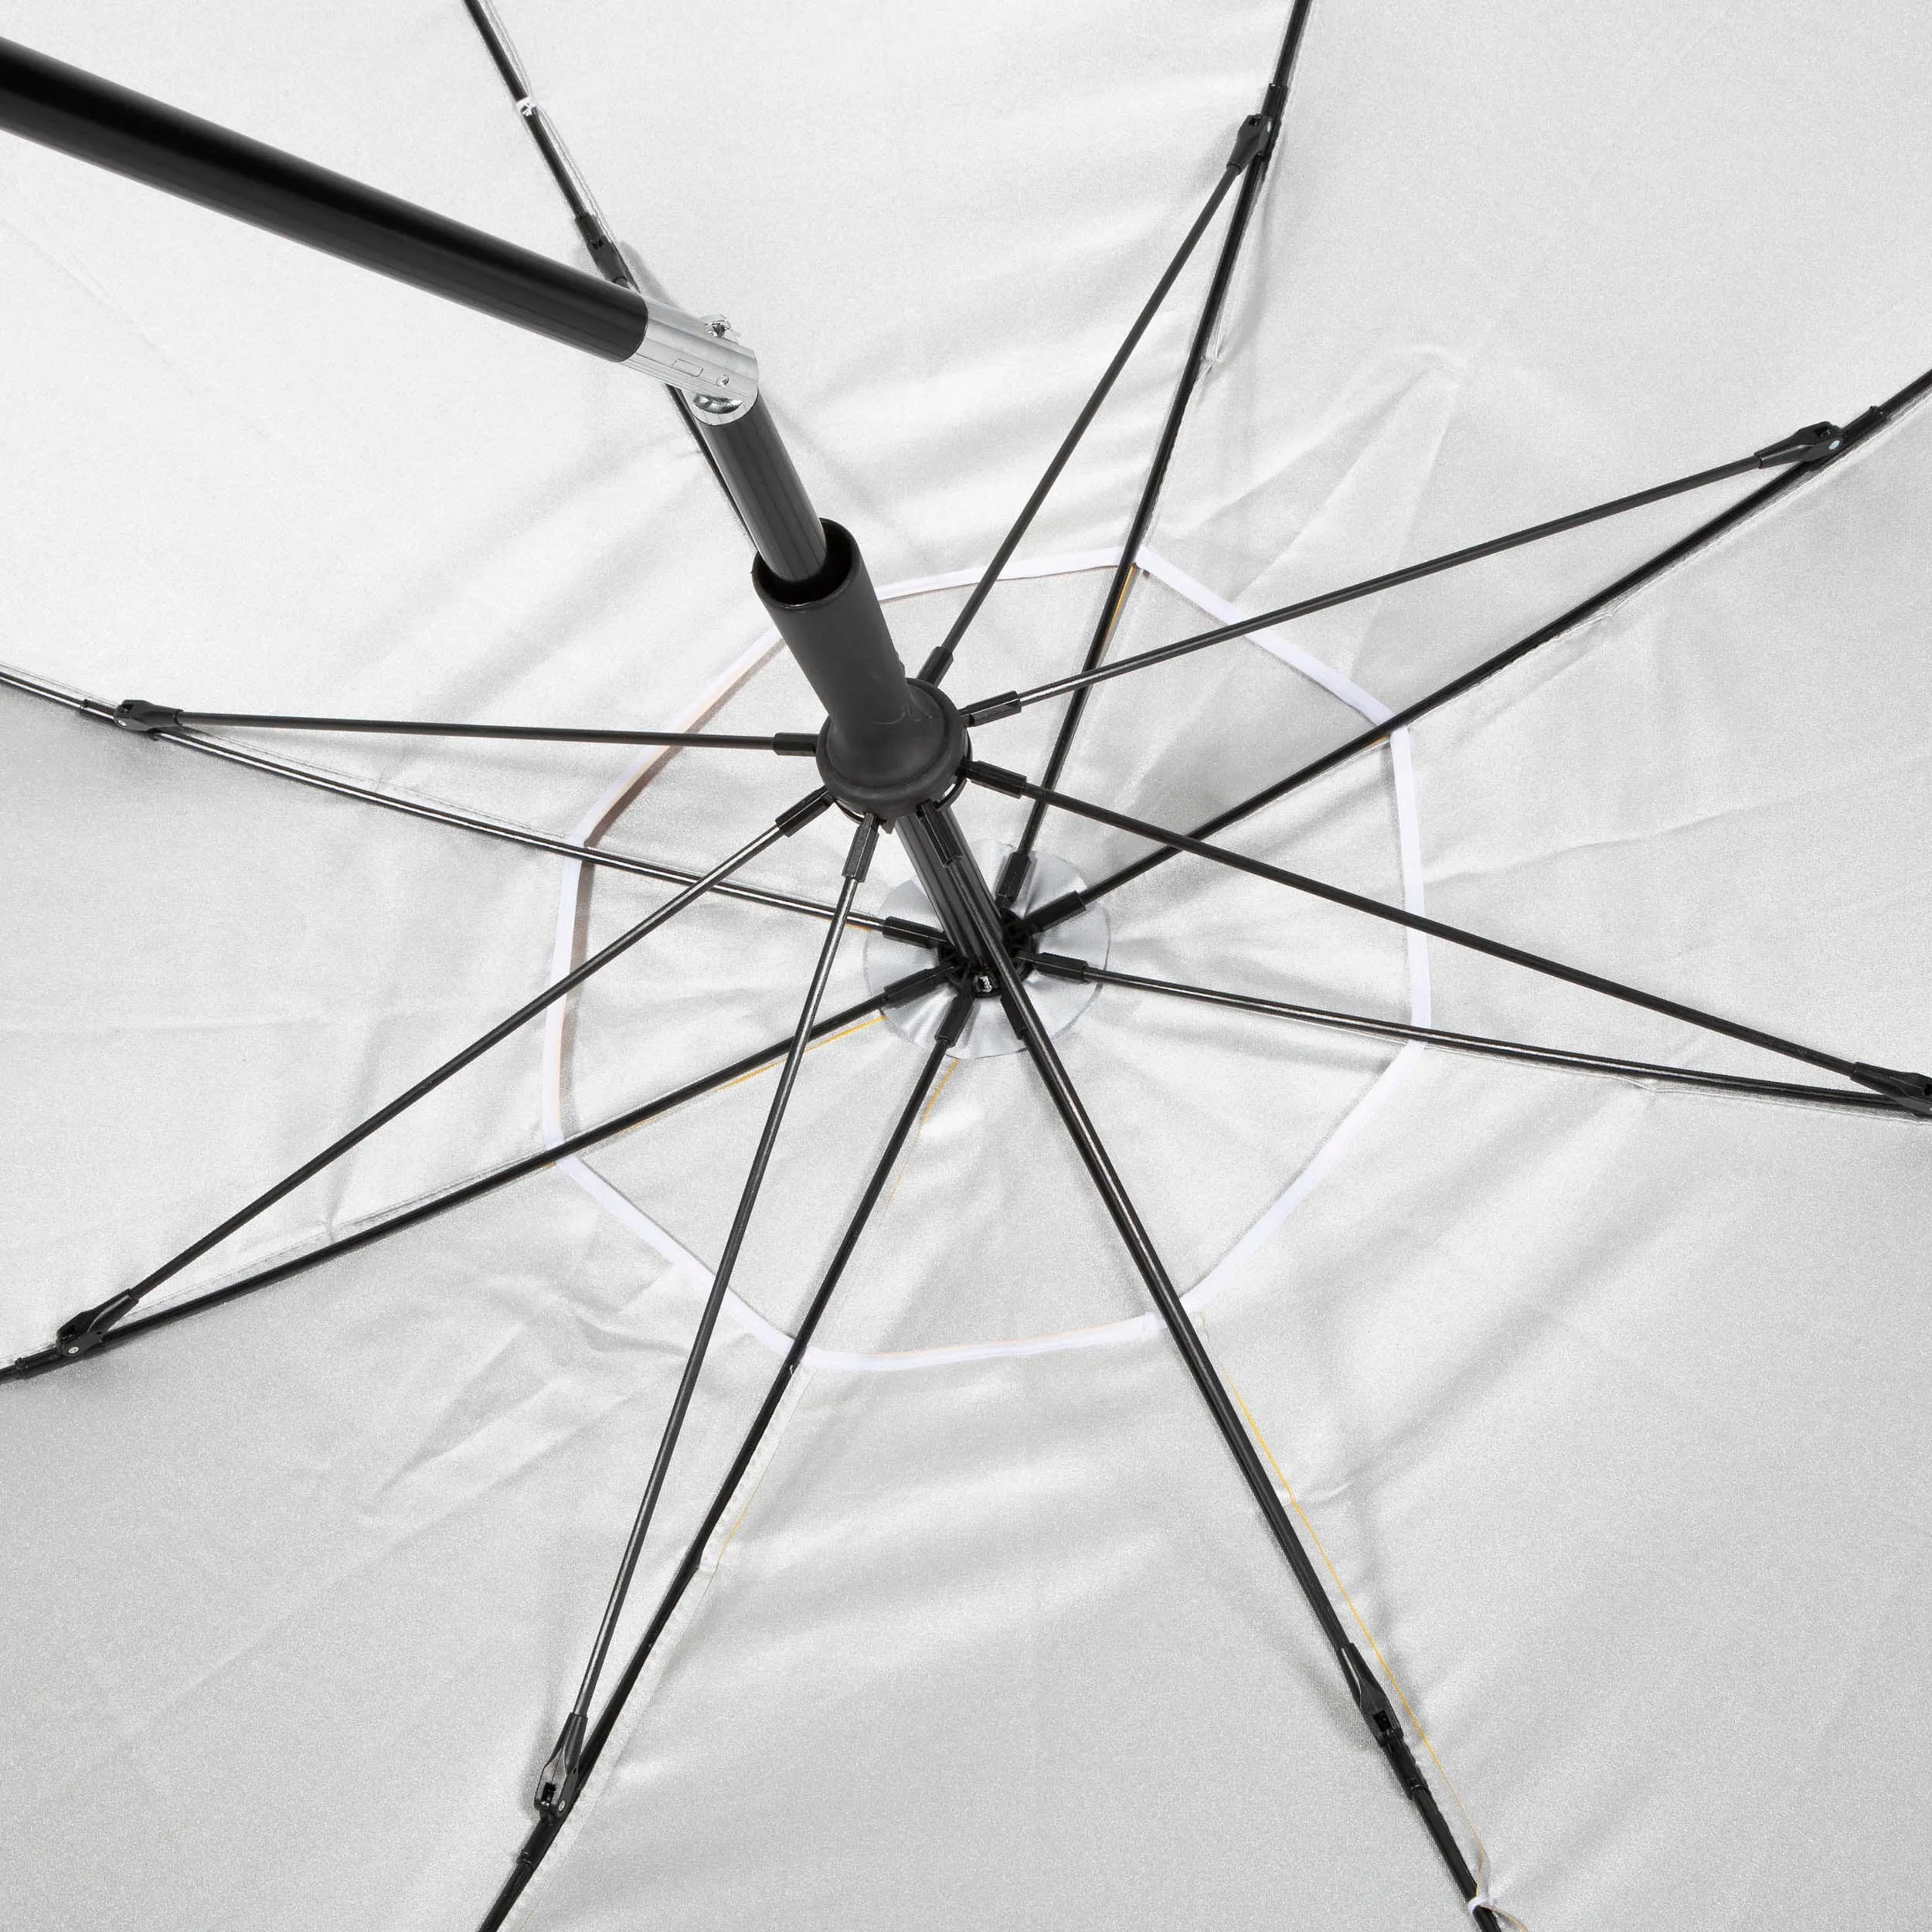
889 744
80 114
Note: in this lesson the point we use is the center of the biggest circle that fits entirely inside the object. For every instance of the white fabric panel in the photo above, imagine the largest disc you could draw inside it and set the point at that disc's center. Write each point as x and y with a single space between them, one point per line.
209 976
1717 791
997 1645
1523 260
1605 1401
314 1573
1607 1405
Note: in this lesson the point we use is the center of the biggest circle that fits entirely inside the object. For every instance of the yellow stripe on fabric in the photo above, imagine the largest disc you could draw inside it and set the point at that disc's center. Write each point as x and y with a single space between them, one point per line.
1395 1683
858 1026
925 1115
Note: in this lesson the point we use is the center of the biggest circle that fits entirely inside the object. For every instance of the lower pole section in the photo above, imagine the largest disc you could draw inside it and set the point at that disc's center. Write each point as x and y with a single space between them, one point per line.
756 469
932 843
888 743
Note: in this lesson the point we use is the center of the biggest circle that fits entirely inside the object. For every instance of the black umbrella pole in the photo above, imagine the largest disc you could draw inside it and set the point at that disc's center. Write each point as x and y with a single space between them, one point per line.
889 744
931 841
1365 1687
93 120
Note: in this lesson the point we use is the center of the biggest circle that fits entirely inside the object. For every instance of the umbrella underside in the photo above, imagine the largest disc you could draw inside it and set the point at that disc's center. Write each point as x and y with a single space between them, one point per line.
1499 1089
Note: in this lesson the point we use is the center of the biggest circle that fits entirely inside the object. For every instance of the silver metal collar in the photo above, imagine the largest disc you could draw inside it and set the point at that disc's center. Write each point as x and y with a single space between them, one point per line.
696 354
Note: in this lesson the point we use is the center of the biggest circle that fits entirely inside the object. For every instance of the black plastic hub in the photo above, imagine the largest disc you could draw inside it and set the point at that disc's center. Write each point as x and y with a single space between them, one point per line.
890 744
934 734
967 976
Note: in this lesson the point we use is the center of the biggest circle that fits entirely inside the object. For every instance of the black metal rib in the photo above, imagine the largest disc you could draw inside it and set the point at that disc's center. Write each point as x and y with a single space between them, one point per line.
910 930
1013 874
599 242
1010 702
557 1787
532 1854
1518 1051
1365 1688
914 986
82 1333
797 744
1014 784
940 660
1853 434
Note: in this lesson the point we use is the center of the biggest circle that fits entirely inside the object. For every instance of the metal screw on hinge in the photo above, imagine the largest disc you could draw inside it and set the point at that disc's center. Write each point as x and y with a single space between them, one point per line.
723 407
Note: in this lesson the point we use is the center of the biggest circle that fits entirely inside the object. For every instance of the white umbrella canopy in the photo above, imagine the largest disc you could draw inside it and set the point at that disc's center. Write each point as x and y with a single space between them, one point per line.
1597 1395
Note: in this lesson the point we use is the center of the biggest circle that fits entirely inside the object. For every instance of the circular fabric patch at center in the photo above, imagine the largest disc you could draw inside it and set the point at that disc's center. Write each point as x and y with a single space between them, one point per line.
1059 1001
987 1238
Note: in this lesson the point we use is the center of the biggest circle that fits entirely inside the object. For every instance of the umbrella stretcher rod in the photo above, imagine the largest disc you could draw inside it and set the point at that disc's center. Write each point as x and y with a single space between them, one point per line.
1799 456
1248 146
1365 1687
1056 966
136 714
1910 1090
550 1820
1254 146
911 931
83 1334
901 992
562 1774
1815 443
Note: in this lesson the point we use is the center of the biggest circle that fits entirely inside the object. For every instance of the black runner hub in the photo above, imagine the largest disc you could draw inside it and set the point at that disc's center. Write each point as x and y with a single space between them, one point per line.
889 744
933 728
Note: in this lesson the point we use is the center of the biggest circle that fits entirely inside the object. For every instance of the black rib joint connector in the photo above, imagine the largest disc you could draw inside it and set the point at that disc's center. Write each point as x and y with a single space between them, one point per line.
952 1023
136 714
802 814
82 1334
1384 1726
1006 705
996 776
1815 443
1912 1090
1059 965
604 251
562 1777
914 986
940 831
1043 917
1249 138
865 842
